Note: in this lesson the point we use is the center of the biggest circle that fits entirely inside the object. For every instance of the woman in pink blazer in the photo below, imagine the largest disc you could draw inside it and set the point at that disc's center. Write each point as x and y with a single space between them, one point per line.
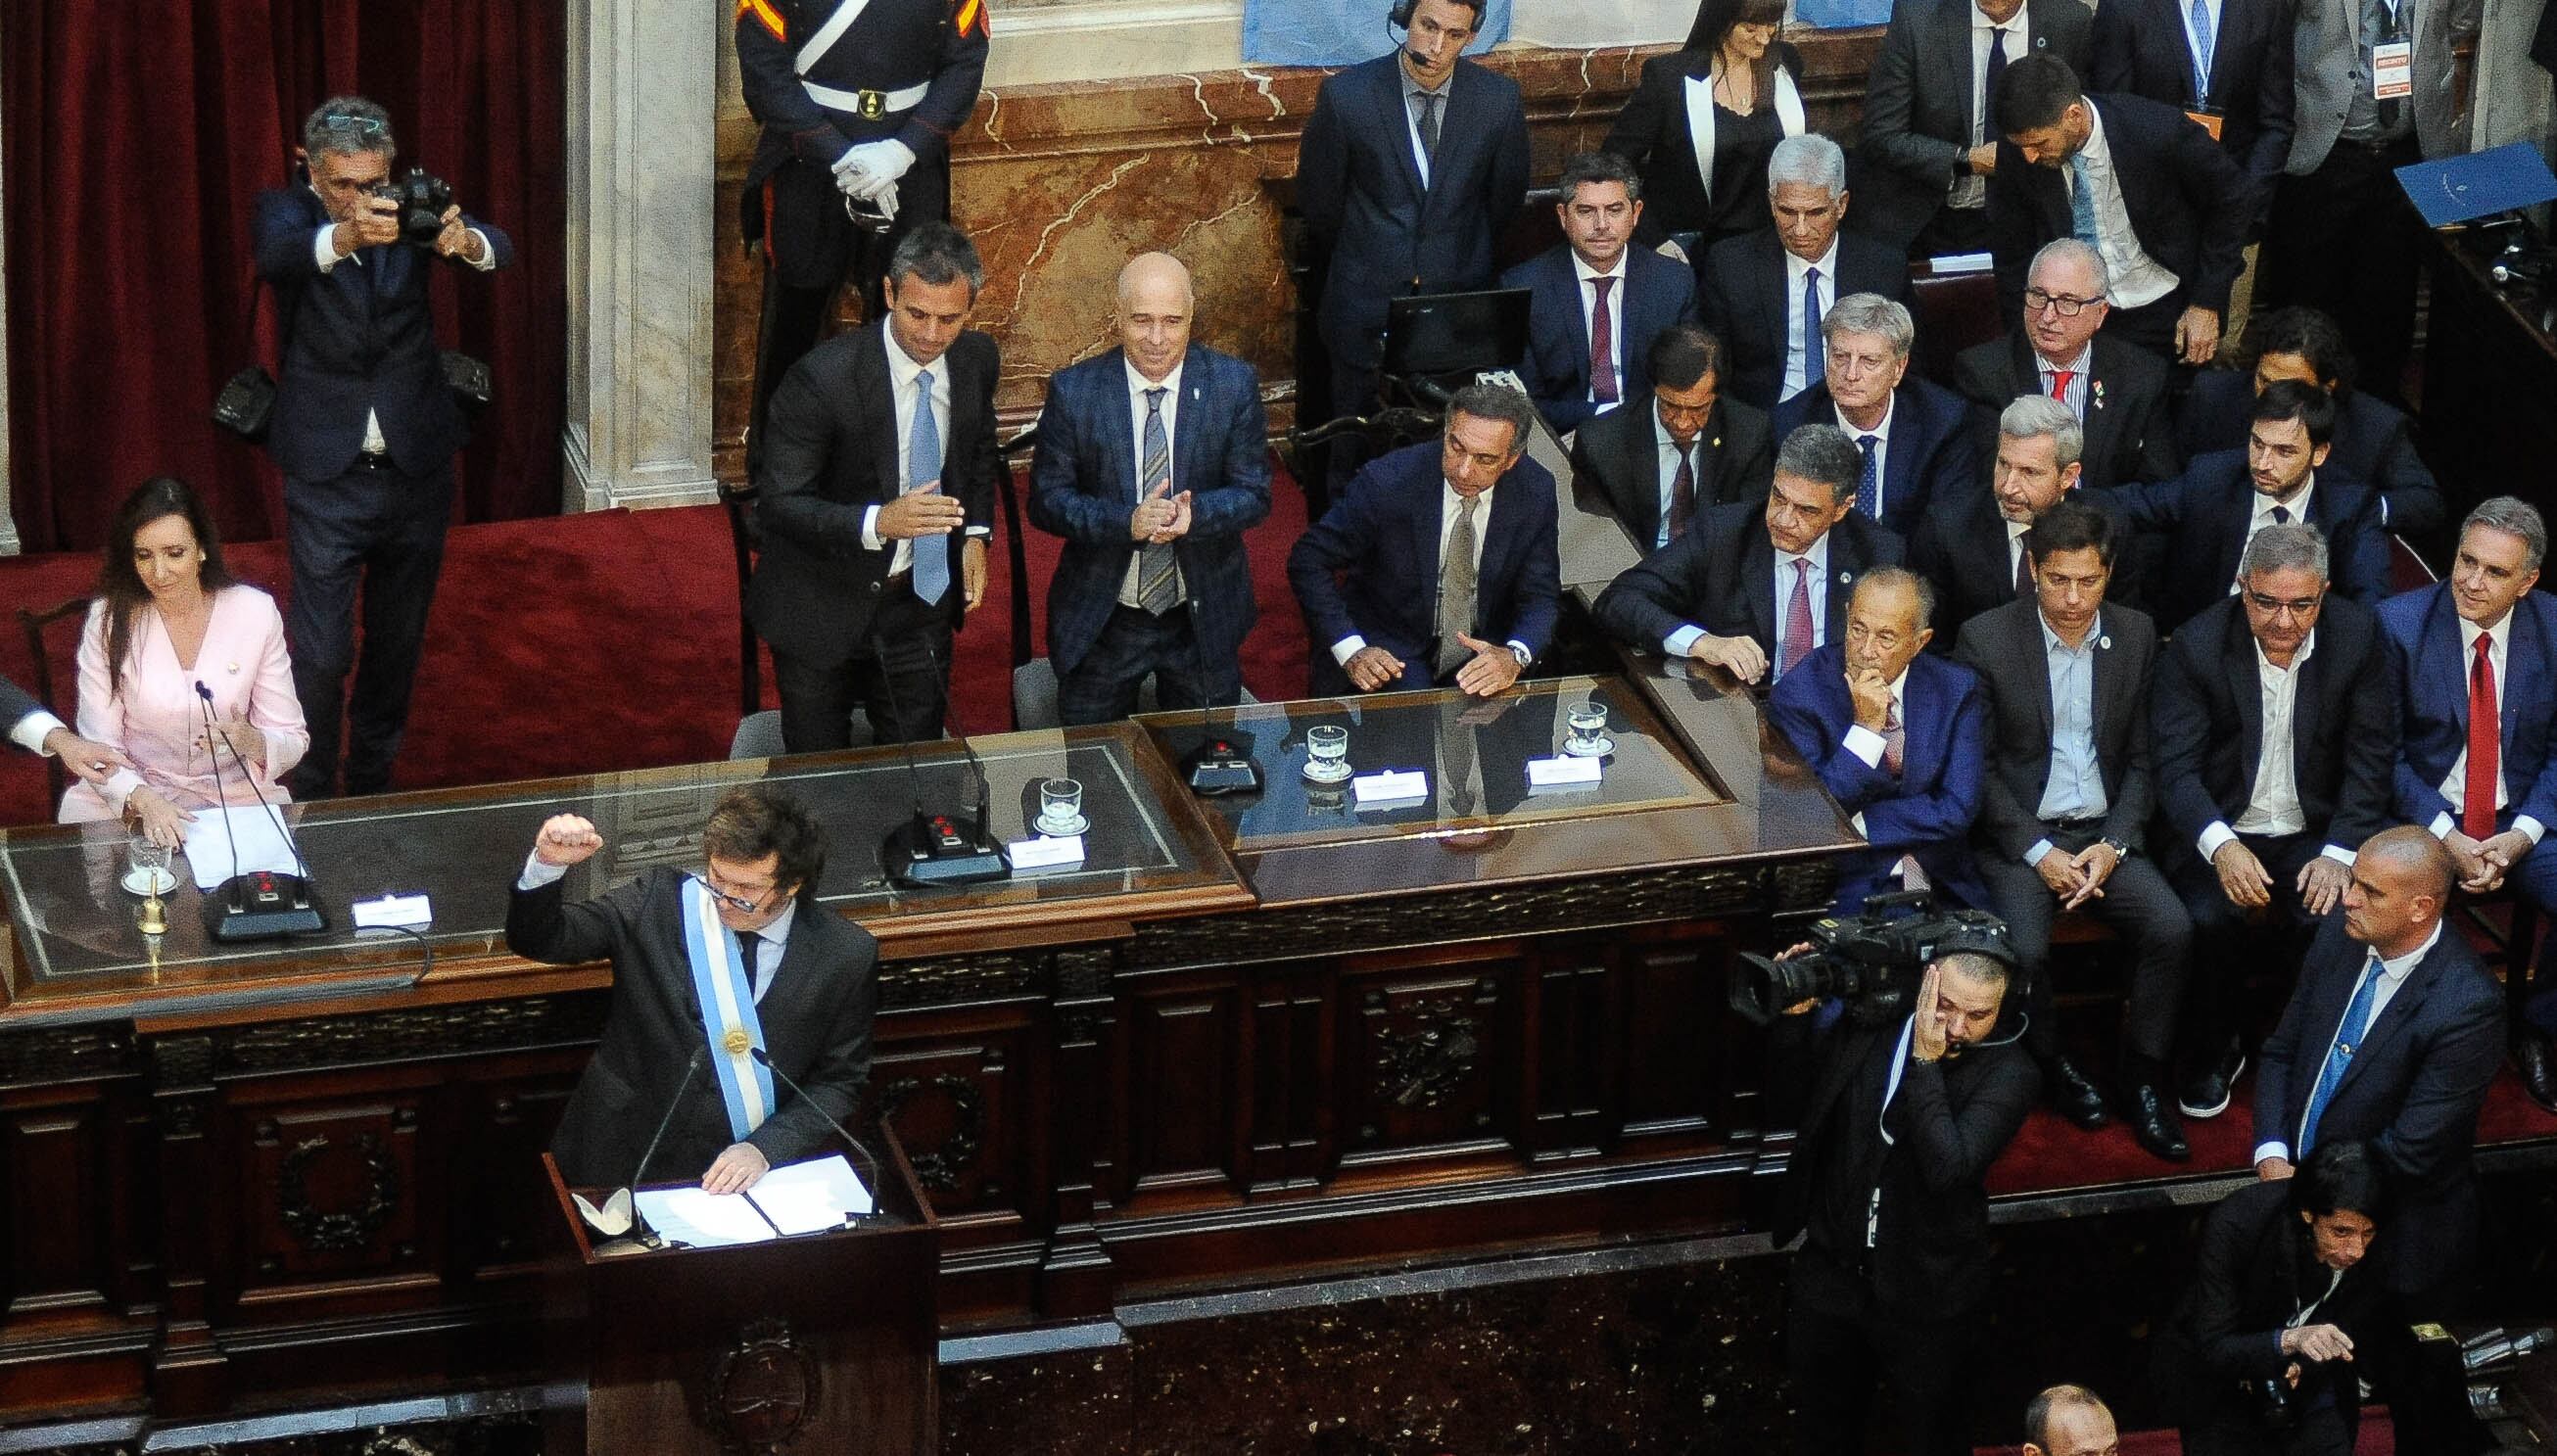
168 619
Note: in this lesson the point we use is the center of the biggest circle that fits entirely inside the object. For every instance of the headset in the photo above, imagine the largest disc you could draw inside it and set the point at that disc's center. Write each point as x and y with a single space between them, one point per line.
1399 17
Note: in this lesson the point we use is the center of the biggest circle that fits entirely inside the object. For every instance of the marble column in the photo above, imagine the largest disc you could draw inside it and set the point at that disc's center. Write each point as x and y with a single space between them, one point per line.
642 92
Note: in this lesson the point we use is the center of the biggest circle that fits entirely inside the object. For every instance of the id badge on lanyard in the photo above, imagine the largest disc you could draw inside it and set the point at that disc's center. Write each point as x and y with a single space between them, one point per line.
2393 63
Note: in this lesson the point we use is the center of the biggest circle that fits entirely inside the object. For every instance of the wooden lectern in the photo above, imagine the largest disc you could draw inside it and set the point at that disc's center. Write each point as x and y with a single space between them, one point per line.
821 1343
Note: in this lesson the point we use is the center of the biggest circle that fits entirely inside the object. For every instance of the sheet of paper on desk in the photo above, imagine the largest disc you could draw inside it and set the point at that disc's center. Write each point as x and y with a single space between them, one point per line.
262 845
690 1215
803 1198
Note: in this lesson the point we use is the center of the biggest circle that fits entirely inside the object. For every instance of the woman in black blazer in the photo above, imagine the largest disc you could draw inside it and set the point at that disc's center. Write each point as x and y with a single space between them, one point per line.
1703 121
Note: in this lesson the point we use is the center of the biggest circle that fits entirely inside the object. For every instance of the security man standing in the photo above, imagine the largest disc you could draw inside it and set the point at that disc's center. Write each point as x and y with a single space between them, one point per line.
859 100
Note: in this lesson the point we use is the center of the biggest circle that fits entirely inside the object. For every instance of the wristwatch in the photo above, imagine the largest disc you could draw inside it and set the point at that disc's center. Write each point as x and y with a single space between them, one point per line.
2120 850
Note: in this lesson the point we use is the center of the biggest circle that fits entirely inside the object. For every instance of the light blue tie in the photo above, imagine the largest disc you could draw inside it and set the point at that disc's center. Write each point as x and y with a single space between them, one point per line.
2202 41
1868 481
922 468
2081 203
2348 1041
1814 366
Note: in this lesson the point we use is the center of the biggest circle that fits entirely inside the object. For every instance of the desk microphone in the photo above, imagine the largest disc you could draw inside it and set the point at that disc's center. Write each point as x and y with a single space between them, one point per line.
764 1059
257 905
929 849
1222 763
692 1069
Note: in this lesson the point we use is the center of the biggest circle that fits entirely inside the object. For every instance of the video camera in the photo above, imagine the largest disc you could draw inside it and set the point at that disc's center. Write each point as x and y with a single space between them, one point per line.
423 198
1873 961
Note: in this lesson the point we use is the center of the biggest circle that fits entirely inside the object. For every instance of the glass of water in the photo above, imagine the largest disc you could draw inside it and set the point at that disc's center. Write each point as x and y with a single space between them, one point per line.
1327 752
1061 806
149 874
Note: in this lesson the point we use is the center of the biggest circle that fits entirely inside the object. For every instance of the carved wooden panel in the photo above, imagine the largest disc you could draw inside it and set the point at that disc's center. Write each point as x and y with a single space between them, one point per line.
1186 1049
1568 1076
954 1105
331 1192
500 1205
1664 1053
1291 1128
58 1148
1417 1054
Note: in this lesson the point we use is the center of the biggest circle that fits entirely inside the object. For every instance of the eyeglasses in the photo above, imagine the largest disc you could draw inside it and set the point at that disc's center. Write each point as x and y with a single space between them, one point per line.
2273 606
738 903
2035 299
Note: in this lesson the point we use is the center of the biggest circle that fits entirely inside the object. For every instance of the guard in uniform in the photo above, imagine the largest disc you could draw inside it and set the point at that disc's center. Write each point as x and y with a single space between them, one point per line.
858 99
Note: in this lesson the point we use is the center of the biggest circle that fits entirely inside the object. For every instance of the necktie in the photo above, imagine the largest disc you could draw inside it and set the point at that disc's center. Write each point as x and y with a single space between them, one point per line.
2060 383
2281 515
1461 765
1157 567
2202 41
1990 75
1429 126
1602 346
749 948
1682 492
1797 619
1456 588
2081 203
922 468
2486 748
1895 739
2023 569
1815 368
1868 481
2347 1040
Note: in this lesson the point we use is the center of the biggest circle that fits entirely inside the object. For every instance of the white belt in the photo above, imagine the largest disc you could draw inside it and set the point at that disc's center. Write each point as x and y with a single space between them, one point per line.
869 105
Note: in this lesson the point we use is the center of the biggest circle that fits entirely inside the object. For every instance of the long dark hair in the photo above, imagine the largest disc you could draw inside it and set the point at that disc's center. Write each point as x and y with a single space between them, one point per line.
119 584
1714 20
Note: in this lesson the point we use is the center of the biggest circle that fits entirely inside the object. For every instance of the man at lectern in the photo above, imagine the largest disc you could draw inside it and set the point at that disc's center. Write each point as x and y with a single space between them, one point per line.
712 966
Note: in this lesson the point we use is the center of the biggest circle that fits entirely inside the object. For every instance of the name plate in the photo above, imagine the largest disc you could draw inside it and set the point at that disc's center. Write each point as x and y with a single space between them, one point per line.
1045 854
393 910
1561 772
1393 786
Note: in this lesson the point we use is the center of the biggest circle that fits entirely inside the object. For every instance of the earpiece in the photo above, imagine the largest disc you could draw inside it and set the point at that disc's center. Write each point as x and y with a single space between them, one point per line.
1399 17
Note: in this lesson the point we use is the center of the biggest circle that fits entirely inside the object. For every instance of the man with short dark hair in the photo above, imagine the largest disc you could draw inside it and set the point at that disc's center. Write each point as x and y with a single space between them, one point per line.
1765 291
722 976
1914 436
2061 351
2065 809
2070 1420
1439 566
1691 449
1597 302
1972 545
1755 587
2135 180
876 500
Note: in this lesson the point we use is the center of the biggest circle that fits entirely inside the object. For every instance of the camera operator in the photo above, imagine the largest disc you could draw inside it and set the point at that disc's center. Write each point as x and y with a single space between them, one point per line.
364 425
1887 1181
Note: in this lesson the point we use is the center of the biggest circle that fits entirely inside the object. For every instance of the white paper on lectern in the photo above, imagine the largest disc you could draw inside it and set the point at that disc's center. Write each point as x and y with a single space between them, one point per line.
262 845
702 1220
830 1181
799 1198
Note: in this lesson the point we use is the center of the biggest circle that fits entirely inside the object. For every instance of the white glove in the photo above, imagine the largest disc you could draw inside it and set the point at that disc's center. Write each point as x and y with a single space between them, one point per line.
885 161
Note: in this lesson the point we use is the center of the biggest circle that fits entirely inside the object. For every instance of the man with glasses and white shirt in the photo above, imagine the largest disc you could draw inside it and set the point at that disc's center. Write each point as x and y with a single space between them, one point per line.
2061 350
727 980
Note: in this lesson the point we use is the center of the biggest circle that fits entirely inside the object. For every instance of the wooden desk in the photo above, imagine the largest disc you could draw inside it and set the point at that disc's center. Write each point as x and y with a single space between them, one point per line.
2490 374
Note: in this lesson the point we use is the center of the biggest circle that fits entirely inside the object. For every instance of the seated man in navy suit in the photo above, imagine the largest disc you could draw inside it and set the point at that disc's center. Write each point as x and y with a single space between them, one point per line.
1972 545
1598 302
364 429
1439 564
2480 711
2286 474
1899 736
1765 291
1662 462
1915 436
1755 587
1153 461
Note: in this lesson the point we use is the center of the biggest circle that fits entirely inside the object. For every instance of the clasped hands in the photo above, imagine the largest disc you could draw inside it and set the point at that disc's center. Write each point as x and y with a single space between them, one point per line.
868 172
1493 668
2079 877
2250 886
1160 519
2483 863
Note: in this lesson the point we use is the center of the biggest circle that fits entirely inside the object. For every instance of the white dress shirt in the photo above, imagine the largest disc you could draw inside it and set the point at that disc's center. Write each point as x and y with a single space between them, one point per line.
2079 380
1138 409
767 955
903 371
1795 269
30 733
2138 278
2392 976
1581 270
1449 503
1881 433
2262 515
1970 189
323 252
2455 787
1867 745
1817 578
1670 453
2273 807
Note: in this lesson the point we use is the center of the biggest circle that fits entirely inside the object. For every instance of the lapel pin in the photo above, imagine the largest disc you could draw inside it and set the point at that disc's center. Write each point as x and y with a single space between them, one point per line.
231 668
2104 644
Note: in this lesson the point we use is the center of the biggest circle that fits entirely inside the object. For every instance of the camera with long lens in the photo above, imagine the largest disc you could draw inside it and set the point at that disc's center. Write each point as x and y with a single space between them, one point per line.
1872 961
423 198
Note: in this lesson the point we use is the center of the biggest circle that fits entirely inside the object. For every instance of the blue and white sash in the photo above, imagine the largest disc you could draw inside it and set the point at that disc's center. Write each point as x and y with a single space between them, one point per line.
726 1001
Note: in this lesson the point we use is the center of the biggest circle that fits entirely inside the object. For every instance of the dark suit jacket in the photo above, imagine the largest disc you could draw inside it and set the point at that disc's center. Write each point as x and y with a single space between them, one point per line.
2253 1271
2139 50
15 704
1743 297
2412 1089
2209 722
1933 452
829 451
1361 192
1652 133
1621 452
1929 809
1918 108
1949 1123
359 338
2374 441
2189 203
2424 628
1370 565
1721 576
816 1021
1657 293
2005 648
2203 512
1083 487
2128 436
1961 548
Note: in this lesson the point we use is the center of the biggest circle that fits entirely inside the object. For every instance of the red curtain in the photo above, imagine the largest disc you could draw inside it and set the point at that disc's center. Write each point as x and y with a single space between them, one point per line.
137 137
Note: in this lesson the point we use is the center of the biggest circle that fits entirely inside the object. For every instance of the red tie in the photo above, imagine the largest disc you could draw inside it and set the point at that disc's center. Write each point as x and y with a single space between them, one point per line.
2060 383
1602 346
1797 619
2485 741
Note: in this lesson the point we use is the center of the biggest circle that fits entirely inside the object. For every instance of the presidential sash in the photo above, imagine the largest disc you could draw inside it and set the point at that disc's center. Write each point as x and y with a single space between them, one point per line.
727 998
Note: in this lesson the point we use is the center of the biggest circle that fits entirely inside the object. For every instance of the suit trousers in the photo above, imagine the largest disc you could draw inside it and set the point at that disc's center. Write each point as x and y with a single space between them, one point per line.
377 531
1135 644
2215 1005
1839 1345
2137 905
2344 239
900 678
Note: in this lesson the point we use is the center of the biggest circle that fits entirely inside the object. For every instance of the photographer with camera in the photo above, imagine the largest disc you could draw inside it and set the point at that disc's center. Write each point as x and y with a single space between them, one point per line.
365 424
1911 1099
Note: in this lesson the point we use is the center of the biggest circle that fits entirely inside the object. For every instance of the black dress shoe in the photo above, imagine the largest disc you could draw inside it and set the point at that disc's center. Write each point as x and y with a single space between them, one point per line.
2537 1064
2206 1092
2153 1123
2072 1095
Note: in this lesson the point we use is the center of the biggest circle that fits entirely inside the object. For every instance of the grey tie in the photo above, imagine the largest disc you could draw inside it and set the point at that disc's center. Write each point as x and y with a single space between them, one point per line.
1456 589
1158 585
1429 126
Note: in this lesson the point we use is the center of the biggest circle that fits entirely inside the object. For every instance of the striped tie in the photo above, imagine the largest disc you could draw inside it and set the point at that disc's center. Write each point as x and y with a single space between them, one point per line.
1158 568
